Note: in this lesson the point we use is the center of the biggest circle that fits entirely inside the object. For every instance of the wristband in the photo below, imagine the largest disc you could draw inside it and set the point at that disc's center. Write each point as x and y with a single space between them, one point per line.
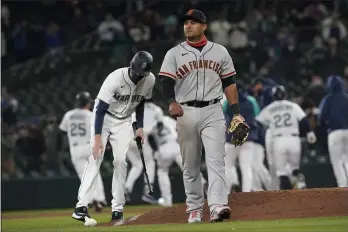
235 109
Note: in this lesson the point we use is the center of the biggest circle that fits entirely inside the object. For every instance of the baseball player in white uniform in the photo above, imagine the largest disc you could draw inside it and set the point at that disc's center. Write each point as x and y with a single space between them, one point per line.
153 115
251 154
333 117
77 124
123 92
263 88
167 151
194 75
283 118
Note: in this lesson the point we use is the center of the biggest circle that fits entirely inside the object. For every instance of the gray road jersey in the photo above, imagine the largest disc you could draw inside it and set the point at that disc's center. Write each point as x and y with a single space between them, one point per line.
197 73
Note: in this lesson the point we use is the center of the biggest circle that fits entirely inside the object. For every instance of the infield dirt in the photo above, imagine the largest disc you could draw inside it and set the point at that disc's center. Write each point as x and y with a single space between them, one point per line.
263 205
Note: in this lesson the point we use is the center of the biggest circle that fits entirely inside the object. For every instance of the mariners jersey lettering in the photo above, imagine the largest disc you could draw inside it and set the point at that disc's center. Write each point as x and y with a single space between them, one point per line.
197 73
282 117
152 115
122 95
77 124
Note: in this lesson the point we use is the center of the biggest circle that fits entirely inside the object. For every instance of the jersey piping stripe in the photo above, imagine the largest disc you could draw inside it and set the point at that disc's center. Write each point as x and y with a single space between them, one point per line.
197 71
204 69
167 74
228 74
130 91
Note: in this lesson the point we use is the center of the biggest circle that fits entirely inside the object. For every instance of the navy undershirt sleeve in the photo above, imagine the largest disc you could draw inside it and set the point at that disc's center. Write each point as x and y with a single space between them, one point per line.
227 82
139 114
102 107
304 123
168 84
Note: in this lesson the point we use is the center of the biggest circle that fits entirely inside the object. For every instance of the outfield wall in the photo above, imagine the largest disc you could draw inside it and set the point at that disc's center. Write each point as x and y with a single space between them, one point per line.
61 192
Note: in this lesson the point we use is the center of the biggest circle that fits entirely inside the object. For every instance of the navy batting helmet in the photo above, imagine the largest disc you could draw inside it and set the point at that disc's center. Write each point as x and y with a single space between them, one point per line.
279 92
82 98
141 64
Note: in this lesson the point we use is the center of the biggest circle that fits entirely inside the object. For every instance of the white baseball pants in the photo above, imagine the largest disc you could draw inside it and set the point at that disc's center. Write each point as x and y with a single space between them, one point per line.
79 158
166 155
119 134
244 154
269 153
338 150
261 175
287 154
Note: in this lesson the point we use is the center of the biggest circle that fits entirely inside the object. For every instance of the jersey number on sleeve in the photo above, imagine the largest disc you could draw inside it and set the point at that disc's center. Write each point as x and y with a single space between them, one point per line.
78 129
282 120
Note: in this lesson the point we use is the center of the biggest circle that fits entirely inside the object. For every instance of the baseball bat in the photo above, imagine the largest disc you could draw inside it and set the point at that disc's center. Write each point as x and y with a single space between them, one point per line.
140 148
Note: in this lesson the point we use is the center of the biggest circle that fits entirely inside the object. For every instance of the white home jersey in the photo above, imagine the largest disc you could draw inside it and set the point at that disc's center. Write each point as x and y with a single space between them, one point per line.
77 124
152 115
168 131
122 95
197 73
282 117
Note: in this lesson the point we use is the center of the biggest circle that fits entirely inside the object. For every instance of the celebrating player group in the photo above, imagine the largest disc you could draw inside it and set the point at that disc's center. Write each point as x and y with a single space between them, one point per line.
209 110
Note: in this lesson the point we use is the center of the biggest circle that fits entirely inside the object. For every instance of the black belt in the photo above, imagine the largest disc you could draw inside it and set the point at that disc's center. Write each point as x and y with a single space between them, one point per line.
280 135
200 104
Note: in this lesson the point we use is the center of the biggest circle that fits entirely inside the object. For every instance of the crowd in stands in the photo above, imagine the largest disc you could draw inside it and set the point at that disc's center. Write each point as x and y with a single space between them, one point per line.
295 40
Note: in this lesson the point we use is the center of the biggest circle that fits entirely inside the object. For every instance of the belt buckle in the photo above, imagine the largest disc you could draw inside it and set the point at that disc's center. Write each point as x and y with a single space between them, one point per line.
195 103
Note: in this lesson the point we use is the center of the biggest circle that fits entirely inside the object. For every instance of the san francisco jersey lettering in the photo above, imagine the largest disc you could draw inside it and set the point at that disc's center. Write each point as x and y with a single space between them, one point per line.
122 95
197 73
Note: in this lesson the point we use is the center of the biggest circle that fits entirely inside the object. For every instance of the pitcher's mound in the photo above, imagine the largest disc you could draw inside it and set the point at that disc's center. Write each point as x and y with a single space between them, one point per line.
264 205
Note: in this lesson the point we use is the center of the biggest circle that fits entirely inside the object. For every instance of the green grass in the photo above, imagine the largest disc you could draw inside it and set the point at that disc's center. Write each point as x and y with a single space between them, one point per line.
35 221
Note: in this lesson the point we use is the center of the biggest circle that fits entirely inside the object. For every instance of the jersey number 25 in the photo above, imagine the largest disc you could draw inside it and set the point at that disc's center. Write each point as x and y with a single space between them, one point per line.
78 129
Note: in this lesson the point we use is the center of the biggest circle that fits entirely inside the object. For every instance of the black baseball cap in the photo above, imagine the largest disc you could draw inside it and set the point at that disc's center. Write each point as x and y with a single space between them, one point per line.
195 15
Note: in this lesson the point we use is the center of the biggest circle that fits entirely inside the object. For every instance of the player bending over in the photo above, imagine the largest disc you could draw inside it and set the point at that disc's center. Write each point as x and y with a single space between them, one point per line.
123 92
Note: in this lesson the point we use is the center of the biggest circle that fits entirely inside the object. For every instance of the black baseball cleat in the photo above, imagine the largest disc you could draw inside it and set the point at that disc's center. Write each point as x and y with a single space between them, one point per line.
80 214
220 214
116 218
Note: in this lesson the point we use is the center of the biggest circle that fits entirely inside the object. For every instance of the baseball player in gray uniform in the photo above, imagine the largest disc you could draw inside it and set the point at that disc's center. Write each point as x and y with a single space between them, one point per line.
194 75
